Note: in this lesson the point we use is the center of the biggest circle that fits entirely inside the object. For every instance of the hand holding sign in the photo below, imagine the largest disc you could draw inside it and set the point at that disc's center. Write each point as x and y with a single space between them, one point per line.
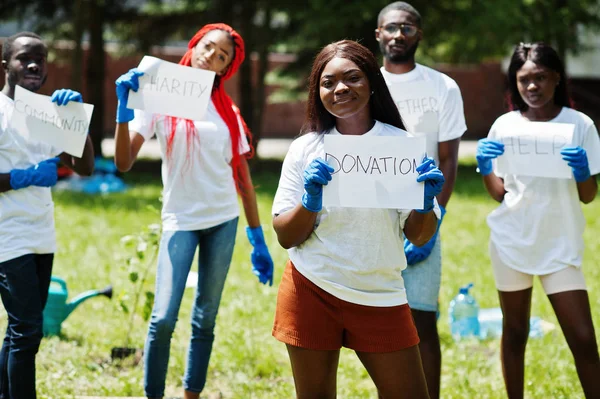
43 174
126 82
576 157
434 182
316 175
63 96
486 151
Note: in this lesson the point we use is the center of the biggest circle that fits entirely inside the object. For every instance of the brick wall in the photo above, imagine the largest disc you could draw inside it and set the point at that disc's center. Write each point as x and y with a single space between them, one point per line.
482 87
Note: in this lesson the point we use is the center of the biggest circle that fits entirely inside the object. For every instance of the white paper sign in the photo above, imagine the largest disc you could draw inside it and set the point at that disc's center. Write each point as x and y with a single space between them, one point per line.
172 89
533 149
36 118
418 106
374 172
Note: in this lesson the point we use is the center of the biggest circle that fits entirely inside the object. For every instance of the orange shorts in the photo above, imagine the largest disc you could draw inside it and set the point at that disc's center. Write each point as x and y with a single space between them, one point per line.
308 317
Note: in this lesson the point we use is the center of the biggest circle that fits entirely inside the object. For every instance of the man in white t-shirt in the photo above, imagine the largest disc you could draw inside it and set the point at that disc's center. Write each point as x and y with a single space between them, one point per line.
27 237
431 105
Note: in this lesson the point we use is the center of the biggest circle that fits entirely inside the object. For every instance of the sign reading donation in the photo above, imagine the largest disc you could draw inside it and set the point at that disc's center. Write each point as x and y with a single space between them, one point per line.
418 106
374 172
533 149
172 89
37 118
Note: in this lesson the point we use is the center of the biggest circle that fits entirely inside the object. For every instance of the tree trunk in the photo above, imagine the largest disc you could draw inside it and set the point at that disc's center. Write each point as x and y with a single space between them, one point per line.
263 66
95 72
224 11
562 37
245 18
77 55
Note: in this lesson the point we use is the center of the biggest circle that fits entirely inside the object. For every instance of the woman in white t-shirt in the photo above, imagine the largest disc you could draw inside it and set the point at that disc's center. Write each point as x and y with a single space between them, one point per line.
538 228
343 284
204 162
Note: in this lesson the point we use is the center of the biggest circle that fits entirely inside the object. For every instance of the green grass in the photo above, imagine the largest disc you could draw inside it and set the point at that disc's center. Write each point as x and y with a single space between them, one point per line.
247 362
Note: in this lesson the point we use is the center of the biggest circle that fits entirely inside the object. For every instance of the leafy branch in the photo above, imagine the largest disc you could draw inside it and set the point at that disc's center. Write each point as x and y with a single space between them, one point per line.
144 250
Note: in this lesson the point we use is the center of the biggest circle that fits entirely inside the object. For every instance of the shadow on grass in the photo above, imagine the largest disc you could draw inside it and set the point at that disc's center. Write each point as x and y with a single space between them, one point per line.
145 186
132 200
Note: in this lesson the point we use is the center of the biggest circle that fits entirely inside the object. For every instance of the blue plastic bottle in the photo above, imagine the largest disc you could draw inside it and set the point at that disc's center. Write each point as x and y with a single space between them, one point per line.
463 313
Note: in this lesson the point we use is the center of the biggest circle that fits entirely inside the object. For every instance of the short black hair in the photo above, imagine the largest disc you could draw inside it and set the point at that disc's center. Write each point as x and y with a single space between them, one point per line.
399 6
7 46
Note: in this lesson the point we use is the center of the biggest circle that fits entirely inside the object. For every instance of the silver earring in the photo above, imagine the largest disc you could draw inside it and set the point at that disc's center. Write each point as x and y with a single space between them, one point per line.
372 92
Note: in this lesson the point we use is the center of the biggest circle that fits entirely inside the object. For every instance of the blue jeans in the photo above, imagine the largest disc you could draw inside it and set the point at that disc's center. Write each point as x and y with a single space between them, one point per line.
175 257
24 283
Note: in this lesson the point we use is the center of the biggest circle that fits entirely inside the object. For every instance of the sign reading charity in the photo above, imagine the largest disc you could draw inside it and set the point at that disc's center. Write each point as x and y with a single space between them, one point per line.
172 89
374 172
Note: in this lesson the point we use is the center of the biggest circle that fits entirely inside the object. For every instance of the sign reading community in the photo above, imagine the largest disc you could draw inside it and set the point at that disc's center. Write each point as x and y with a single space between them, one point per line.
172 89
36 118
533 149
374 172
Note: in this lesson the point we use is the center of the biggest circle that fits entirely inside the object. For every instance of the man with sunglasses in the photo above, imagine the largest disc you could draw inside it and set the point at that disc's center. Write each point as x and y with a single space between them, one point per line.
431 105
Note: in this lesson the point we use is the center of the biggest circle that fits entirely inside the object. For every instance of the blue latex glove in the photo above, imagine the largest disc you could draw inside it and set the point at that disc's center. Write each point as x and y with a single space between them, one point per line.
416 254
126 82
43 174
486 151
576 157
434 181
63 96
262 264
316 175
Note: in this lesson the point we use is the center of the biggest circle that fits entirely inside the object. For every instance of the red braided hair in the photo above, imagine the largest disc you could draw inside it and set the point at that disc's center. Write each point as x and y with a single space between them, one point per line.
228 111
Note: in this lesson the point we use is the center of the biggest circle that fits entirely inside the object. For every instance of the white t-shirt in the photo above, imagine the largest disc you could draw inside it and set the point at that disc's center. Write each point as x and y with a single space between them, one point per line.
199 190
355 254
538 228
26 215
445 123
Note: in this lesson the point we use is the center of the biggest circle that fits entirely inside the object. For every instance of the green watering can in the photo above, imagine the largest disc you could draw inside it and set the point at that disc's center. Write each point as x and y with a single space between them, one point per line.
57 309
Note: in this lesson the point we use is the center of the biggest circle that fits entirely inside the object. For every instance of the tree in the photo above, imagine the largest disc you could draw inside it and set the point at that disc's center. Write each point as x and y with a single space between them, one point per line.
254 24
455 31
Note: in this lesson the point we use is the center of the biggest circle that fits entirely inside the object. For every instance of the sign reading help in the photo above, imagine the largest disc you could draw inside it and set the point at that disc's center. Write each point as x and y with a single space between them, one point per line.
374 172
533 149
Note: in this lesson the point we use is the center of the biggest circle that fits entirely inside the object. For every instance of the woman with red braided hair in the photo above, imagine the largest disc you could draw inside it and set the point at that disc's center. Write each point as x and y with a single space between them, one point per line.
204 163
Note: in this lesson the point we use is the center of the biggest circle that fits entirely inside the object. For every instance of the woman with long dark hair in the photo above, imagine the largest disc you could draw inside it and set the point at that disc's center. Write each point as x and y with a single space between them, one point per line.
538 228
343 284
204 162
